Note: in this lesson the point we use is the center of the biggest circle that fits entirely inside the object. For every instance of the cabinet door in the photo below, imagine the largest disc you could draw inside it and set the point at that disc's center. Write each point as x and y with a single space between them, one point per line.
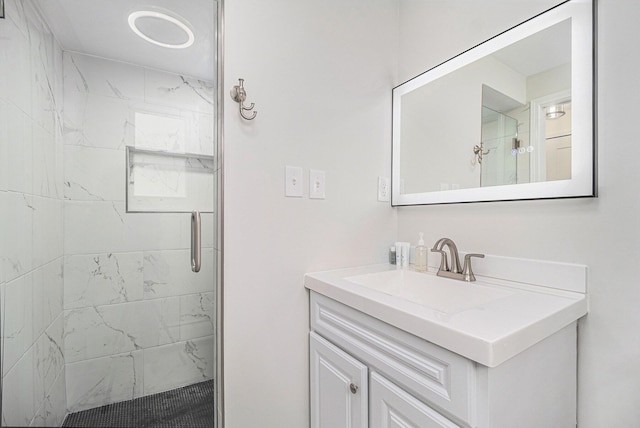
393 407
339 392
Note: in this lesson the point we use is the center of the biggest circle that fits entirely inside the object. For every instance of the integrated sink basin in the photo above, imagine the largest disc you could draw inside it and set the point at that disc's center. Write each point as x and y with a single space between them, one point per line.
488 321
442 294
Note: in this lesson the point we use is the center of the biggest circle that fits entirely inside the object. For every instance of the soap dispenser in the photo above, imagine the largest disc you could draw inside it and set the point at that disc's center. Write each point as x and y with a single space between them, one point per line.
421 255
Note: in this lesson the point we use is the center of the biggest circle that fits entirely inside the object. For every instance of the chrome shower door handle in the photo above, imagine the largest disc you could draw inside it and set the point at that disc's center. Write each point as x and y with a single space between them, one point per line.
196 253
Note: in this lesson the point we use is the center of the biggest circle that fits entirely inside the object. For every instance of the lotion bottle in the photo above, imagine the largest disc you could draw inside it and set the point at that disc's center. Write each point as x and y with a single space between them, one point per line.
421 255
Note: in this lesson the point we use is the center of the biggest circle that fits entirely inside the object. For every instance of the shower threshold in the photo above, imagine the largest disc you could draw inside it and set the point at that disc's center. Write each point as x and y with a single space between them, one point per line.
189 407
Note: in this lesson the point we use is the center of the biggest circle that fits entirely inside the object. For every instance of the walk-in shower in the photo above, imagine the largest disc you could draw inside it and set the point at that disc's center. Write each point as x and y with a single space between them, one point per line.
498 149
109 196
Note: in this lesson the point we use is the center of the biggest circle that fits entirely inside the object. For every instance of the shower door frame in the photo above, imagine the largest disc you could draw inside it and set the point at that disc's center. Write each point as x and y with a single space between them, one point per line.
218 417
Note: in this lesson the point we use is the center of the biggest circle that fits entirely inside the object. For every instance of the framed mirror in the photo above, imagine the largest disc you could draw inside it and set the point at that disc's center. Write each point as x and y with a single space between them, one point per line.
511 118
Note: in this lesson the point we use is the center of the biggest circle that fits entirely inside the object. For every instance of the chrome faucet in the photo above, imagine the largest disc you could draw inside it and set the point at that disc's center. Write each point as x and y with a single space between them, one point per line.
454 271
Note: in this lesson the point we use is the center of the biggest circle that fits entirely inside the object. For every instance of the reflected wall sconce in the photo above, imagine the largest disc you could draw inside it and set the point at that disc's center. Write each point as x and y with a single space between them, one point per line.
239 95
479 151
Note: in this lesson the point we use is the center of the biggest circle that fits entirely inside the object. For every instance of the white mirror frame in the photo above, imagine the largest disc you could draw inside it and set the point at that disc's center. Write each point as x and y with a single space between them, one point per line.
583 167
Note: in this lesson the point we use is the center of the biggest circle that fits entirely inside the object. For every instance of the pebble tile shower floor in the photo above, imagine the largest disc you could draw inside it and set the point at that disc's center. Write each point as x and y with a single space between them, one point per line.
188 407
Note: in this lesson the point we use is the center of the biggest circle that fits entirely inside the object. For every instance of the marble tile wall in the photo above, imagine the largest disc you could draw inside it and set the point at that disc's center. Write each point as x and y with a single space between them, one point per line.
137 320
31 211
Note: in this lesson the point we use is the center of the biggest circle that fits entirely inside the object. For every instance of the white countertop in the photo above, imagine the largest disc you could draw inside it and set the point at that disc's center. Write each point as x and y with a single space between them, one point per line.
486 330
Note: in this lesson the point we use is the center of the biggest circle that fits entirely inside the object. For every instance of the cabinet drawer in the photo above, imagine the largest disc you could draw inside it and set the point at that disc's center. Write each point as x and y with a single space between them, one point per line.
391 406
439 377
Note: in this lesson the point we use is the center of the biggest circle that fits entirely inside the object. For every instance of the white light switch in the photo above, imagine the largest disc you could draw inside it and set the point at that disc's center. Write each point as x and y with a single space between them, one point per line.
293 181
384 190
316 184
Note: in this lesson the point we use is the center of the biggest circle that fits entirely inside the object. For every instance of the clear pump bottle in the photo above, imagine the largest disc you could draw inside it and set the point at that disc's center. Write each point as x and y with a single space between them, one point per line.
421 255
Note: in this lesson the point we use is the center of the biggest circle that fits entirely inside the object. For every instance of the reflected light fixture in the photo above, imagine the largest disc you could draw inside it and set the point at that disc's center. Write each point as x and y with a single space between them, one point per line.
133 23
556 111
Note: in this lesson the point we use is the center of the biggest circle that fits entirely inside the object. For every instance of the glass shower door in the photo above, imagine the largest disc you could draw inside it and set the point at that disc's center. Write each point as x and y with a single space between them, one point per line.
499 149
101 163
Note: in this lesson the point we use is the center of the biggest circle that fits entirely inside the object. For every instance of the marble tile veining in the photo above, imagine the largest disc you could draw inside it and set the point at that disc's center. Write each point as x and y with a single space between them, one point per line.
19 149
15 12
18 320
89 335
44 163
18 213
180 364
48 289
93 174
181 91
103 77
101 279
18 400
31 216
112 329
168 273
136 319
95 382
97 121
103 227
43 84
47 229
15 63
197 315
52 412
49 359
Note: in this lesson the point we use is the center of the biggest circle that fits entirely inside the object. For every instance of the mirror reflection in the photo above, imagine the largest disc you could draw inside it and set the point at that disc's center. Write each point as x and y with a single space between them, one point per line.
504 119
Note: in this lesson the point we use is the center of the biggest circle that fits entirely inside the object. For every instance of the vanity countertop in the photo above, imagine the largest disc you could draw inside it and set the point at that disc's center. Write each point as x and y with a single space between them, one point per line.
488 321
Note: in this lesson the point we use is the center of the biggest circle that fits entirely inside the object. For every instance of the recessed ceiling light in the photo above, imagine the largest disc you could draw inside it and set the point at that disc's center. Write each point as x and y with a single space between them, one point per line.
133 23
556 111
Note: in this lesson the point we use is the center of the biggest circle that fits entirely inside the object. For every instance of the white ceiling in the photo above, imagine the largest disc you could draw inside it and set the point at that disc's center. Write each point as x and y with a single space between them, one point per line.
99 27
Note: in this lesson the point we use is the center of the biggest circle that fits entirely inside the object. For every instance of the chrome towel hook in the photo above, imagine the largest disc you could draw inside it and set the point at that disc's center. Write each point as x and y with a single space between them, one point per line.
239 95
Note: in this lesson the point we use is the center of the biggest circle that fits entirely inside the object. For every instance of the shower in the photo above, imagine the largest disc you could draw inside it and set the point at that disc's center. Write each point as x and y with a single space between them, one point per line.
109 200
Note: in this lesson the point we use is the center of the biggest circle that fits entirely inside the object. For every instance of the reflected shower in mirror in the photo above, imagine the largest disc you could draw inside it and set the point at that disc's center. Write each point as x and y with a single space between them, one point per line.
492 97
498 150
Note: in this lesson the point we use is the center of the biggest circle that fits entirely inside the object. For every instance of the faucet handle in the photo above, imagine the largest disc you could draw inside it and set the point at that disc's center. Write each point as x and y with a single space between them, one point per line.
467 271
444 264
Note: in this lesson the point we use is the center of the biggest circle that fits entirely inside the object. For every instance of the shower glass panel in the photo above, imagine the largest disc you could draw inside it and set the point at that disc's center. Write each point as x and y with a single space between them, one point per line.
499 149
98 304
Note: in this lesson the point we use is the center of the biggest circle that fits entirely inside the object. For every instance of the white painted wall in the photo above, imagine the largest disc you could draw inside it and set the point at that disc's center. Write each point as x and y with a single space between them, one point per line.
320 73
602 233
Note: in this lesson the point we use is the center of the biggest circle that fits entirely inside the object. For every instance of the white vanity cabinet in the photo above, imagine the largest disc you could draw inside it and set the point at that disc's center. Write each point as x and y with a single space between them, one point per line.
339 383
393 407
367 373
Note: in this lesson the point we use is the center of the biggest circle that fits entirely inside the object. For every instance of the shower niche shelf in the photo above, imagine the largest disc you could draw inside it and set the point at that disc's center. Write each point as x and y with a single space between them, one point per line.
169 182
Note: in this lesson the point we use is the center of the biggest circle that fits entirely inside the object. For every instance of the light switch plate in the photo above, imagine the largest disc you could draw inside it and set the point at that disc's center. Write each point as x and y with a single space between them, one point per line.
293 181
384 189
316 184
